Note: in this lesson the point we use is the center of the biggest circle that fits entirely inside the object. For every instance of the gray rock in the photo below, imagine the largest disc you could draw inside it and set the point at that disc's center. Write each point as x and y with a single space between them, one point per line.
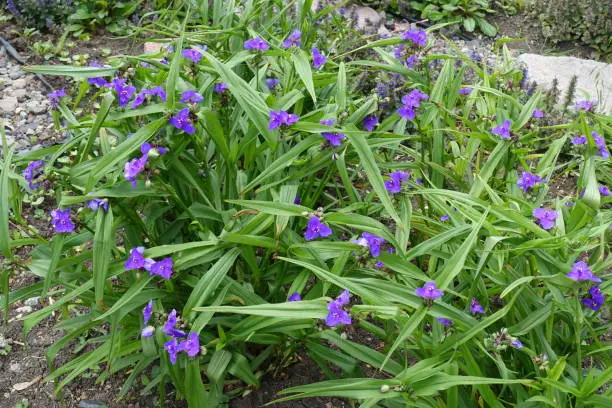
15 367
92 404
16 74
594 78
367 19
36 107
20 94
18 83
8 104
33 301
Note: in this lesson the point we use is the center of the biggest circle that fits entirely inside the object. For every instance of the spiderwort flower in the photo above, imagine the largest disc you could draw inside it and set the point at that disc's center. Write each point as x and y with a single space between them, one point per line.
443 321
516 343
98 203
147 312
148 331
191 345
97 81
147 149
595 299
394 184
315 229
503 130
272 83
280 118
170 323
445 218
475 307
294 39
295 297
256 44
124 92
537 113
604 191
465 91
584 105
54 97
60 219
334 138
429 291
581 272
191 96
370 122
336 315
410 102
601 145
220 87
162 268
374 243
579 140
133 168
181 121
192 54
28 173
418 37
318 59
172 347
136 260
545 217
142 95
528 180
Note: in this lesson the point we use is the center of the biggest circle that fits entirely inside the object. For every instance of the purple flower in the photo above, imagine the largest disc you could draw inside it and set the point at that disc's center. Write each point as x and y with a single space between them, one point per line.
220 87
410 102
124 92
503 130
374 243
142 96
370 122
148 331
147 312
580 140
256 44
194 55
136 259
133 168
601 145
528 180
475 307
272 83
181 121
170 323
419 37
537 113
581 272
295 297
157 91
162 268
419 180
516 343
191 345
584 105
54 97
394 185
334 138
596 299
191 96
604 191
545 217
280 118
412 60
28 173
172 347
147 147
98 81
336 315
316 229
465 91
443 321
445 218
429 291
98 203
318 59
343 298
60 219
294 39
297 200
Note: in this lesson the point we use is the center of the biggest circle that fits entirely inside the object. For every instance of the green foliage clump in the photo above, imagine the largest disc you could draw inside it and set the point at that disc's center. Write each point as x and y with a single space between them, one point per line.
43 14
587 21
249 193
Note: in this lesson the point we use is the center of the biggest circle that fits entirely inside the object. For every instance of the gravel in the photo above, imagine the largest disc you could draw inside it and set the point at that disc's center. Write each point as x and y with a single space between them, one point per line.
24 108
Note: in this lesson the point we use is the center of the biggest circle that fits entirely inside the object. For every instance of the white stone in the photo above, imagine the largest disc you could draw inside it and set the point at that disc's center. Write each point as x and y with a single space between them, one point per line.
8 104
18 83
594 78
152 47
367 19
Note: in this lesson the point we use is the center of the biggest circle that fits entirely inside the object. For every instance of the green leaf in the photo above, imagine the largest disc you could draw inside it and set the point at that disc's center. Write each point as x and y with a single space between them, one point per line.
302 67
305 309
469 24
273 208
341 88
71 71
104 240
107 101
5 238
407 329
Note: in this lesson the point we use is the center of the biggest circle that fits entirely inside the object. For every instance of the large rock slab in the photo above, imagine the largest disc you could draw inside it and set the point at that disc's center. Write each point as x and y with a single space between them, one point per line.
594 78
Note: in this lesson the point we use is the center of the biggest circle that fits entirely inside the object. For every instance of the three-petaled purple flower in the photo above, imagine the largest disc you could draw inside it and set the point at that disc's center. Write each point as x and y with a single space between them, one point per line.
429 291
170 323
410 102
295 297
318 59
142 95
604 191
394 184
475 307
465 91
162 268
124 92
191 345
443 321
336 314
133 168
418 37
172 347
54 97
29 173
98 203
516 343
528 180
601 145
220 87
272 83
136 260
370 122
581 272
315 229
374 243
545 217
537 113
294 39
579 140
191 96
192 54
281 118
445 218
503 130
334 138
256 44
585 105
60 219
595 299
181 121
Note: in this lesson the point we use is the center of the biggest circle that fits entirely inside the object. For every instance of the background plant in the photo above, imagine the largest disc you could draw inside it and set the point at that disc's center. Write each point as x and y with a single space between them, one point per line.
201 179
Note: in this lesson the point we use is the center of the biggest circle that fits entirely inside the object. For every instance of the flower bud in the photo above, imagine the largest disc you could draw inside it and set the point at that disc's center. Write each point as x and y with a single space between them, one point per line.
384 388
